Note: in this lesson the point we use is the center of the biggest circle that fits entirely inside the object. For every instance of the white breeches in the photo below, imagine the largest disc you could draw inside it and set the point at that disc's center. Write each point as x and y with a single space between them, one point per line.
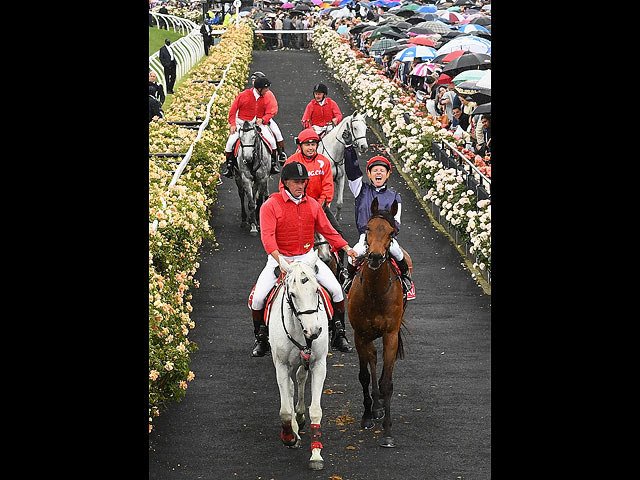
266 133
276 130
267 279
361 248
326 128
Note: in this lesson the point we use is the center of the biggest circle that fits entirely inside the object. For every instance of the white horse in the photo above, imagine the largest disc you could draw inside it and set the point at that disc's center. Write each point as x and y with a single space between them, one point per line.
299 339
352 130
252 175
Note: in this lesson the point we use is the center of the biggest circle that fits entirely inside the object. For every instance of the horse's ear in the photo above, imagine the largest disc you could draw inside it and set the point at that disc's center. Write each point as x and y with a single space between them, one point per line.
394 208
374 206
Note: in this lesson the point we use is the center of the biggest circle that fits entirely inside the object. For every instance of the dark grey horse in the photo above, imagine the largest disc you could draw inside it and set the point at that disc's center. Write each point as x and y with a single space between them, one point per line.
252 175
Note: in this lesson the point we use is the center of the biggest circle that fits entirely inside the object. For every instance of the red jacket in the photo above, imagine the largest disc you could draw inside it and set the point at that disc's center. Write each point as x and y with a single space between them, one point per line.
245 105
321 115
320 185
266 107
289 228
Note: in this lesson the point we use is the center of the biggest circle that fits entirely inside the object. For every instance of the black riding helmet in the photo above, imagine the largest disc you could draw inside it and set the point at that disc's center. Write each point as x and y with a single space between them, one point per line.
294 171
261 82
320 88
255 75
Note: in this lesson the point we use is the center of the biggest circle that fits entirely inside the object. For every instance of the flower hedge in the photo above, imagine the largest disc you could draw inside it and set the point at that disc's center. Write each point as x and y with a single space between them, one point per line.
181 213
410 130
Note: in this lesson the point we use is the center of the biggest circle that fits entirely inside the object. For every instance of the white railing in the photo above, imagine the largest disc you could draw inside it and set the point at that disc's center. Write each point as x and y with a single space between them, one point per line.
202 128
188 50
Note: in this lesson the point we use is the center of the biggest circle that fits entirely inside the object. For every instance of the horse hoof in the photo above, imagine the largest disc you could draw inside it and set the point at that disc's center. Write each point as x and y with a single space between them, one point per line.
378 414
301 420
254 230
366 423
316 464
297 443
388 442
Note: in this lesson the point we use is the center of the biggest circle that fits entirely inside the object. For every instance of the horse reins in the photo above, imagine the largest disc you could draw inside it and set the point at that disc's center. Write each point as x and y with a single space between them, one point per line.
305 350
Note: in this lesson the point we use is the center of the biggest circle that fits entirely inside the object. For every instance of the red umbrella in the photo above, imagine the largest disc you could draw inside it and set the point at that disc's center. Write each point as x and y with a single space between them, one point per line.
453 55
444 79
422 41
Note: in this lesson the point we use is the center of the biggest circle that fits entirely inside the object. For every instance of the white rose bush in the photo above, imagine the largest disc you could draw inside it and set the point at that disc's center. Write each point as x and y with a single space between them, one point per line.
179 216
409 131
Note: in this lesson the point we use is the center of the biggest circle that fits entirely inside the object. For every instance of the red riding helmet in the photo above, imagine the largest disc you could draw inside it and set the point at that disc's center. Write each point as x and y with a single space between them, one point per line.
308 134
378 161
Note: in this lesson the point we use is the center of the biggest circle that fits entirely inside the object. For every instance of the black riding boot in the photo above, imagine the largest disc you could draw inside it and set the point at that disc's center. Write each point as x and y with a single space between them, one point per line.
351 271
404 272
274 164
336 327
282 156
228 165
260 330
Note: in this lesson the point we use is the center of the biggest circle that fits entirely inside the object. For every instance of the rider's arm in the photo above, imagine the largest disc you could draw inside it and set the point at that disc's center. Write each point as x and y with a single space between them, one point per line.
306 117
327 184
352 169
337 114
270 107
268 229
231 119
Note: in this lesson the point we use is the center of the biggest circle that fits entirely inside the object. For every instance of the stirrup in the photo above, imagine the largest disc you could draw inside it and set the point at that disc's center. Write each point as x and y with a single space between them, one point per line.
283 158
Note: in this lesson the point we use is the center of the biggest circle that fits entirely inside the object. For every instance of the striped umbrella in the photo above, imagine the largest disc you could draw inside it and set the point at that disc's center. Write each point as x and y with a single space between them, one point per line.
417 51
469 75
452 17
423 69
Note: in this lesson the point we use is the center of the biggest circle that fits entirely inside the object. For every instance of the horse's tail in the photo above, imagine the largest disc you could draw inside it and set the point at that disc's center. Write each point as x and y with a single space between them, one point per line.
400 352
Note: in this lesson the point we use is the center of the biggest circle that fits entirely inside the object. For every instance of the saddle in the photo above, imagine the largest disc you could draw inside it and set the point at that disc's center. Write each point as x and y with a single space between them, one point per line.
236 145
408 295
324 295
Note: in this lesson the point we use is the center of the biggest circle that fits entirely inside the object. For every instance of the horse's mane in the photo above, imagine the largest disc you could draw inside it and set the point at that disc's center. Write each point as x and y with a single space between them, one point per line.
300 270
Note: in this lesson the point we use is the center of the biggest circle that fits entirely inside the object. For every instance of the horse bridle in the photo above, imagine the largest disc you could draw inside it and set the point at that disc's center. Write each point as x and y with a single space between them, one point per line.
254 145
305 350
385 258
348 133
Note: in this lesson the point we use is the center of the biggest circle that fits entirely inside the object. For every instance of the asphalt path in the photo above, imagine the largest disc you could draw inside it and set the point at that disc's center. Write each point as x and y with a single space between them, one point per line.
228 425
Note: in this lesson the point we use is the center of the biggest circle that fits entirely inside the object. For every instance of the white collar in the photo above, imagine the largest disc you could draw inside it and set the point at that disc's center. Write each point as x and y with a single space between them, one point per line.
255 93
296 200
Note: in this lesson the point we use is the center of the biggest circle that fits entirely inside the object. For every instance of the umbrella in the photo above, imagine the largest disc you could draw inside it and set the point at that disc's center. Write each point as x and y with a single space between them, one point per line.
463 2
449 57
469 88
427 9
423 69
420 30
421 41
467 42
485 81
472 27
468 75
287 5
392 50
468 61
383 44
443 79
483 20
484 108
302 7
437 26
316 2
342 29
417 51
453 17
414 20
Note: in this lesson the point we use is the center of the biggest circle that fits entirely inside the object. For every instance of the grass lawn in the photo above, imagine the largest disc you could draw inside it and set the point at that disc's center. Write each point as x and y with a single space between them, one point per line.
157 36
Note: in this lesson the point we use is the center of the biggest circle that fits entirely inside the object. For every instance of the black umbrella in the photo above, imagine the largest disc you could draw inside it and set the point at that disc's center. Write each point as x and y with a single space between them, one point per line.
414 20
420 30
360 27
481 21
301 7
467 61
484 108
393 50
469 88
463 2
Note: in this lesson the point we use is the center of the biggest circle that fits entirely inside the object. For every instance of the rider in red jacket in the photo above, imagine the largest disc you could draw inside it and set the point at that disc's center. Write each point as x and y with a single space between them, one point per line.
322 113
288 220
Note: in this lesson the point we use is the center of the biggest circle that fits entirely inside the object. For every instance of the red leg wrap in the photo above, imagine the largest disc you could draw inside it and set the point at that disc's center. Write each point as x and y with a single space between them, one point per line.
287 432
315 436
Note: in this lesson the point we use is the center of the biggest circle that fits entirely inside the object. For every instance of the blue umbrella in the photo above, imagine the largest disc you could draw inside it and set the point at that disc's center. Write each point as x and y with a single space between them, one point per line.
472 27
342 29
427 9
418 51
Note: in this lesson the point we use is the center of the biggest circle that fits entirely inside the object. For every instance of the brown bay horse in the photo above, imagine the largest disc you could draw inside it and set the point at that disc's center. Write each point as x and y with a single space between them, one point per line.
376 308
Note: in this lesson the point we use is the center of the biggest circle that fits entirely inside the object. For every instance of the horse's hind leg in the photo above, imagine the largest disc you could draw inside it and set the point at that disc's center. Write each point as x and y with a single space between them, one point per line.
301 377
390 342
